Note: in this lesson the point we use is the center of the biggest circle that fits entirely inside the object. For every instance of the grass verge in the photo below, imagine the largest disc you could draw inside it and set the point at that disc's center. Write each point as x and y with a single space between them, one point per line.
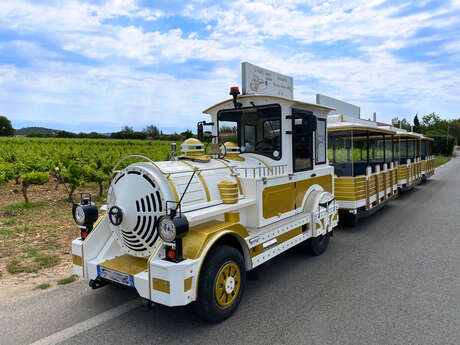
67 280
19 206
34 260
43 286
440 160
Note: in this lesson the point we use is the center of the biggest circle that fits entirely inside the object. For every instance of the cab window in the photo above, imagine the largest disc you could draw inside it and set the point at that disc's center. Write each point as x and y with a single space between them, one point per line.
254 129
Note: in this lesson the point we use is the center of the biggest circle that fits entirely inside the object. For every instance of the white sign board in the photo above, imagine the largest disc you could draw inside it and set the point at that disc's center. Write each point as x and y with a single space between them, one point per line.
341 107
261 81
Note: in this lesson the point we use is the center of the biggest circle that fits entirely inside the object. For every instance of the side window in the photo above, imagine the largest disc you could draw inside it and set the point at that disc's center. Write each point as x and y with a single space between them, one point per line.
302 142
249 143
321 136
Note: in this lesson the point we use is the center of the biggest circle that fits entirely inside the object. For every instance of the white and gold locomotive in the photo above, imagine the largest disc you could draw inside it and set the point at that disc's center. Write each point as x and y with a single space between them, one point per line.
188 229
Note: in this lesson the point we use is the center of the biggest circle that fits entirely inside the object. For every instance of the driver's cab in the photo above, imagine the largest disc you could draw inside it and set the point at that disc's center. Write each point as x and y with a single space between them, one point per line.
282 146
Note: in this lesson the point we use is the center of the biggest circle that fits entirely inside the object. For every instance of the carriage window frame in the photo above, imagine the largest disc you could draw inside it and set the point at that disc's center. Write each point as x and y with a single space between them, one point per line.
317 161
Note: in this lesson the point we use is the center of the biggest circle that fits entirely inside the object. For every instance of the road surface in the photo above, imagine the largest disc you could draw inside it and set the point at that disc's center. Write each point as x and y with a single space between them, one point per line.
393 279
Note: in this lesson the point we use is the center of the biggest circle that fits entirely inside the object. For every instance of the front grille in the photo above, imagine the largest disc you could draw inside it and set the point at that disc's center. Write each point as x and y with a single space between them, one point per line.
143 204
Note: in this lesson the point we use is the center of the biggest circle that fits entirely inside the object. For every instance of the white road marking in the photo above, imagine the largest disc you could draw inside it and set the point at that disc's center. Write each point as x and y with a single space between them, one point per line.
88 324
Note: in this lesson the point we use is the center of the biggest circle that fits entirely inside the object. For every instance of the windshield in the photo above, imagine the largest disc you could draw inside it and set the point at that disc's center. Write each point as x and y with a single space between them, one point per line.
254 129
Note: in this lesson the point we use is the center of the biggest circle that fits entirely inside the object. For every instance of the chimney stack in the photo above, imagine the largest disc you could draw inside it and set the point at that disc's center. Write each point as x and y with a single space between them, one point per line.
375 117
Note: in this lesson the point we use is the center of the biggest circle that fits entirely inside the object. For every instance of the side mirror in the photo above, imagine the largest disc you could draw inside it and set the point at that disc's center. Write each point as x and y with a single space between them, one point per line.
309 123
199 130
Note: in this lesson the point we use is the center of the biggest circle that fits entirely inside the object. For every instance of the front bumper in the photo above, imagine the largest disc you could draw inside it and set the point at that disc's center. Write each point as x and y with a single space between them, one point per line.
158 280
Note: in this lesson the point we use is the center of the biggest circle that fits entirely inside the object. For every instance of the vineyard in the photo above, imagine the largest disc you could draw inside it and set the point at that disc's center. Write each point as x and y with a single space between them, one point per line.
36 225
30 161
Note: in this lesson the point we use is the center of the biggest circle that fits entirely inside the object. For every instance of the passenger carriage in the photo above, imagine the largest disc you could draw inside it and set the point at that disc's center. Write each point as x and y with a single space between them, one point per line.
365 172
407 156
187 230
426 157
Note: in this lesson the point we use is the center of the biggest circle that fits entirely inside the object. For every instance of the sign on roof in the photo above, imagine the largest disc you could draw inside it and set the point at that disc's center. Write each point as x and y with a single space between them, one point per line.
261 81
341 107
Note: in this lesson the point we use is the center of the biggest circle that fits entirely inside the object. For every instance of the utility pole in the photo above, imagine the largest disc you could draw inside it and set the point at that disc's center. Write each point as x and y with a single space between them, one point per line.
447 137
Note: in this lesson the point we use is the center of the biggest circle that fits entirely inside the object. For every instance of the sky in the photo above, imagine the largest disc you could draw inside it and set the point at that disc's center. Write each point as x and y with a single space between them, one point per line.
101 65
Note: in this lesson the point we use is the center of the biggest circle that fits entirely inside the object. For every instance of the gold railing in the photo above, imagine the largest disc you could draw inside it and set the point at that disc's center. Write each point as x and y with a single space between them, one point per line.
357 188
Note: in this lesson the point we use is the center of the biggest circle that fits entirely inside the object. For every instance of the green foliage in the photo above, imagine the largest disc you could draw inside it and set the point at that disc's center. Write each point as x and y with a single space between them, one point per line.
35 177
43 286
67 280
6 129
417 126
440 160
152 131
443 145
400 123
7 172
80 160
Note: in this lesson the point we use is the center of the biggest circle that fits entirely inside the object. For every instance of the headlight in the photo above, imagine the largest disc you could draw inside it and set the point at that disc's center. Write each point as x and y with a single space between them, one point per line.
85 214
167 229
79 215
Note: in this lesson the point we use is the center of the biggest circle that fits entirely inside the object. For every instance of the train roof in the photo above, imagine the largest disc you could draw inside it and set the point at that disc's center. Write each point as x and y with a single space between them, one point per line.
344 123
317 106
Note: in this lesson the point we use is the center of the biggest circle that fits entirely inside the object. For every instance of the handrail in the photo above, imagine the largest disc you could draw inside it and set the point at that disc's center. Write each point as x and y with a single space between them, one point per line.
132 156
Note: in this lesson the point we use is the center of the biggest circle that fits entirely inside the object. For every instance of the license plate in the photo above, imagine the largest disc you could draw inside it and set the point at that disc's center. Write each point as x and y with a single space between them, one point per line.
115 276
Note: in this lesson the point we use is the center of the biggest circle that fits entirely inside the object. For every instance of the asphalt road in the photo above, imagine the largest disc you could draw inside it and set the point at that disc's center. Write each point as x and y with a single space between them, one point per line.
393 279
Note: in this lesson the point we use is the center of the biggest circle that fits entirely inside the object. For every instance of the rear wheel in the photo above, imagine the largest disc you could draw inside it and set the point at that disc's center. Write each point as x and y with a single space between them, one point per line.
221 284
318 245
348 219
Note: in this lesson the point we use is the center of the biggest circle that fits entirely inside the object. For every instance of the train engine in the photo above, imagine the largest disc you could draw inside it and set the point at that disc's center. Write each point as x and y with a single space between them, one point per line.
188 229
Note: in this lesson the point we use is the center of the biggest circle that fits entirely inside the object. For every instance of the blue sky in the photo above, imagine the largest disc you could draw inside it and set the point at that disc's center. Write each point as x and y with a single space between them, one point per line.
100 65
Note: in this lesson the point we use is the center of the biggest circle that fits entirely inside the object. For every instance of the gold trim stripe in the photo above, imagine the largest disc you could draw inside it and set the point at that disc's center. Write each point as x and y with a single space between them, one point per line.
203 182
173 187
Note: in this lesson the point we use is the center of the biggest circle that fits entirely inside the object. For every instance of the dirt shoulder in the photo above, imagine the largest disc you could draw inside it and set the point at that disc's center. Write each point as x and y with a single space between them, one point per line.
35 239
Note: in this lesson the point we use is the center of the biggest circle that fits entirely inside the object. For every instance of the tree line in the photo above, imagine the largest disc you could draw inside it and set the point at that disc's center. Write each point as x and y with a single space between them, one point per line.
149 132
446 133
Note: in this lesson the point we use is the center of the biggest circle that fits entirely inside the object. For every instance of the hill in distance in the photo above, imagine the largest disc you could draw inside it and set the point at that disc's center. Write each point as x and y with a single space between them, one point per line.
42 130
35 130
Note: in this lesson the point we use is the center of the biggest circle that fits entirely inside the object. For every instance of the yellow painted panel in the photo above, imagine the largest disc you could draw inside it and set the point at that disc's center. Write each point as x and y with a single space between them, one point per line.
199 236
161 285
76 260
188 284
289 234
126 264
302 186
277 200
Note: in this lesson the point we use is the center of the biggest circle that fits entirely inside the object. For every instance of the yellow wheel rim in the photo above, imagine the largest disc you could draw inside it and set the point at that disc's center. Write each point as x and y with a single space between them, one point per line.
227 284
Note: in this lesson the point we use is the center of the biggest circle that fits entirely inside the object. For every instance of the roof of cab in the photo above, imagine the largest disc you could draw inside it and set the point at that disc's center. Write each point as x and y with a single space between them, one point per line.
322 107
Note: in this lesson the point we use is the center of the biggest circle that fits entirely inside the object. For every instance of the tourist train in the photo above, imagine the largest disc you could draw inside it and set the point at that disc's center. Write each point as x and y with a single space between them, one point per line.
265 174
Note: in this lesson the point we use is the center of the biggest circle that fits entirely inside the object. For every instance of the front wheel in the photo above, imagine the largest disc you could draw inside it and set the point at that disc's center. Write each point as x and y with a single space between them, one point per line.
221 284
318 245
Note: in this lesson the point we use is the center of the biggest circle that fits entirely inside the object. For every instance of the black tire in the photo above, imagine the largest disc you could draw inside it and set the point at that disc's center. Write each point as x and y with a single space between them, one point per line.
207 305
318 245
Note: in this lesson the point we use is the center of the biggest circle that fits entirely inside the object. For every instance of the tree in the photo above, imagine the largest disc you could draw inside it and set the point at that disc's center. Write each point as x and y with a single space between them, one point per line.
430 120
187 134
152 131
6 129
417 126
396 122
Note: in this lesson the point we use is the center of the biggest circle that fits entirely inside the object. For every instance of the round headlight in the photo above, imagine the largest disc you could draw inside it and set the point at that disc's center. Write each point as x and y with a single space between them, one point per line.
79 215
167 229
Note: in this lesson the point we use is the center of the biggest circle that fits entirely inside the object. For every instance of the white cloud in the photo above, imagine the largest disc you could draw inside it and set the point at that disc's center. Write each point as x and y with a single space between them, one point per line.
117 93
